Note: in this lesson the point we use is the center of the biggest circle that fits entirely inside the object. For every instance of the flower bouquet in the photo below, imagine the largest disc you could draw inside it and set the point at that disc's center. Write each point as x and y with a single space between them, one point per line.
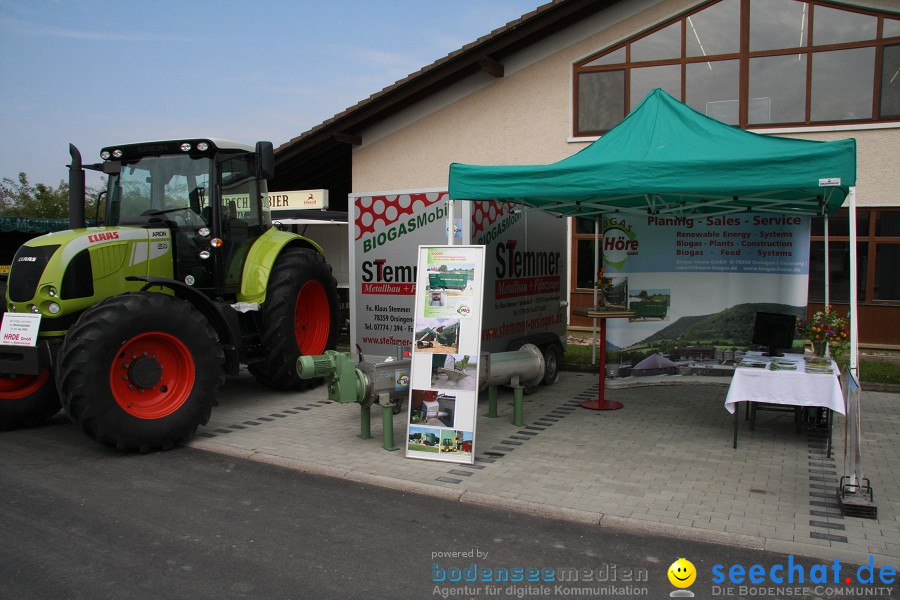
827 331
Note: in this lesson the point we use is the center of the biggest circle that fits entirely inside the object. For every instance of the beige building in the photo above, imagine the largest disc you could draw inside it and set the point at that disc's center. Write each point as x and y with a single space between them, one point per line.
546 85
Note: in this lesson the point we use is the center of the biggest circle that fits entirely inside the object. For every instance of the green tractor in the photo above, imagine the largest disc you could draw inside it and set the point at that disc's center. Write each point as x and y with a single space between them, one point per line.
141 319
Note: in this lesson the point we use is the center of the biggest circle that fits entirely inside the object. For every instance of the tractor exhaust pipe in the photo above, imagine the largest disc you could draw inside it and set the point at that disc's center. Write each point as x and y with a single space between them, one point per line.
76 190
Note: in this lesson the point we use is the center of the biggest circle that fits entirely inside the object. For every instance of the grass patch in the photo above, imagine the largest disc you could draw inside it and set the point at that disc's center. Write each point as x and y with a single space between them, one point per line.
577 355
873 371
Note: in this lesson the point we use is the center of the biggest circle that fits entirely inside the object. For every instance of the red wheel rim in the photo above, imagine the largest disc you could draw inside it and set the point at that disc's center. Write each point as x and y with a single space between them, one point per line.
13 388
312 318
152 375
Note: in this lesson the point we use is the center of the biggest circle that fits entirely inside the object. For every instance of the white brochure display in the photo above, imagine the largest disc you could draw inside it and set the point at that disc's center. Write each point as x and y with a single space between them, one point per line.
446 353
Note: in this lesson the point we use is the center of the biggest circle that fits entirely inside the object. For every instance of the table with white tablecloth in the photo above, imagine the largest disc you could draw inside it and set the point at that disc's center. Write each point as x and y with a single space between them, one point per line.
776 383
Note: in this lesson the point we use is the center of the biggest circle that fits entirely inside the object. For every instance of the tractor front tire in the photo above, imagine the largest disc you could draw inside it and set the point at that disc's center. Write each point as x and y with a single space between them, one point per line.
299 317
25 400
140 371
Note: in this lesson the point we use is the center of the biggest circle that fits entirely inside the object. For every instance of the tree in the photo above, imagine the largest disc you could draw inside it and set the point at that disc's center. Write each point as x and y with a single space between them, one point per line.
22 199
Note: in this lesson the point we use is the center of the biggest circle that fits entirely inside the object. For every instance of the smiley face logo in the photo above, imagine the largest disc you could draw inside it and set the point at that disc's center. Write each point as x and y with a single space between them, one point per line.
682 573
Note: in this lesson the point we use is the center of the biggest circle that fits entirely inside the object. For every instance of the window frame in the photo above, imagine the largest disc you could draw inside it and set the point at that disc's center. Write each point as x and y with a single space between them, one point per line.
865 281
744 56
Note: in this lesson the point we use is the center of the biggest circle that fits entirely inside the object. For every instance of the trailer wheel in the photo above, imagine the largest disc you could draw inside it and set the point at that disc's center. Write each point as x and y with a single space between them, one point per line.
552 361
299 317
25 400
140 371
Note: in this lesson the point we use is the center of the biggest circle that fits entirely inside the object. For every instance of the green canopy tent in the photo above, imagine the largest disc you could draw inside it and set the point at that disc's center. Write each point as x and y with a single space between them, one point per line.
665 158
668 159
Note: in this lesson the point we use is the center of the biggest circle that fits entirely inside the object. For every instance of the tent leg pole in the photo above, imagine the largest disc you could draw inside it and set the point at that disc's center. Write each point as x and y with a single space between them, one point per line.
854 275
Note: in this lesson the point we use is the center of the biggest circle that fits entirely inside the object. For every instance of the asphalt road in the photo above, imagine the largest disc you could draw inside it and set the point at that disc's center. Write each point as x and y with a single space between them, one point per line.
80 521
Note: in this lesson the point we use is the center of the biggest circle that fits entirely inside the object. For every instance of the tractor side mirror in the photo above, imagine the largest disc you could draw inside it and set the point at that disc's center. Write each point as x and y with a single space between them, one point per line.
266 156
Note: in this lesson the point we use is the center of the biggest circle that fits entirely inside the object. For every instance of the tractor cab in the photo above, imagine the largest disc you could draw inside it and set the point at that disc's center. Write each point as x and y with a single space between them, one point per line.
210 194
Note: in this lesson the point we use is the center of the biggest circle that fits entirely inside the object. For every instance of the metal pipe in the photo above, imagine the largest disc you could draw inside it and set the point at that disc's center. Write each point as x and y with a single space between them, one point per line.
76 190
499 368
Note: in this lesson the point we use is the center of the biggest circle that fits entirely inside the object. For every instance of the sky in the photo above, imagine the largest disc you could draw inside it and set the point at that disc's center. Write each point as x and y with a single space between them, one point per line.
95 73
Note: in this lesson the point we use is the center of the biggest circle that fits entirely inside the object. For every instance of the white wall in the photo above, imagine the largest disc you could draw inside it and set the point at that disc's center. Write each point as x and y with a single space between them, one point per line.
526 116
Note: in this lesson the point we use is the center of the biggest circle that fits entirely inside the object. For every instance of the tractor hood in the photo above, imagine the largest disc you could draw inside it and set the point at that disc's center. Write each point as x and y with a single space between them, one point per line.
64 272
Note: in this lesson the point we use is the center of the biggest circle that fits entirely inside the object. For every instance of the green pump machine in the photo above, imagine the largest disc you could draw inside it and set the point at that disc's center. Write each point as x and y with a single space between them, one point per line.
185 282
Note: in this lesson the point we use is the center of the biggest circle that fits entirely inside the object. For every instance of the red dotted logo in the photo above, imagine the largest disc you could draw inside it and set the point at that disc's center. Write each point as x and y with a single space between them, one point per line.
387 210
485 214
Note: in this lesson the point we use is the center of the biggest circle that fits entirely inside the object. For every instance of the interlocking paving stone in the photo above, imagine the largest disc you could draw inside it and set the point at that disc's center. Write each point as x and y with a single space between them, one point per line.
827 536
826 525
620 465
833 514
820 495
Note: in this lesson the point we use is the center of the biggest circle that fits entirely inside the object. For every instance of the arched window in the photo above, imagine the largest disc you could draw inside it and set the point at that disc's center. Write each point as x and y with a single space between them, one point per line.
752 63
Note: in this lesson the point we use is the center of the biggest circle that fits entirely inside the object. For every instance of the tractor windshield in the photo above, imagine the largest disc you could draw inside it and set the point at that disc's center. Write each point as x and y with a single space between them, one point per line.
177 184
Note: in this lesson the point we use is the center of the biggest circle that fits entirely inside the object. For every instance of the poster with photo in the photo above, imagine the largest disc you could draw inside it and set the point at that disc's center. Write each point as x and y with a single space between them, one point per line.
675 272
444 373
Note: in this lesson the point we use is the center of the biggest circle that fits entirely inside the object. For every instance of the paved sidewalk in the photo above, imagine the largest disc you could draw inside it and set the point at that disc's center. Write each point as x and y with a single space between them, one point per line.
662 464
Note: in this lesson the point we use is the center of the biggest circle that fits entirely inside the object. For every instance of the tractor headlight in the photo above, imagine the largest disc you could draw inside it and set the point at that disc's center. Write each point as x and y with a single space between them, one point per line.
34 309
185 147
53 308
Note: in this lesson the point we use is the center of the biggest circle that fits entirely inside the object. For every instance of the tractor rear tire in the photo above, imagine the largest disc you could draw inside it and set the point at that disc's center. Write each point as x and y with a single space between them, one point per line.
140 371
25 400
299 317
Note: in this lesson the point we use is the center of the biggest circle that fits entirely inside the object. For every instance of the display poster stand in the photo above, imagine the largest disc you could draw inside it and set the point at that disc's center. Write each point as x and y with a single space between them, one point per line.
854 493
446 358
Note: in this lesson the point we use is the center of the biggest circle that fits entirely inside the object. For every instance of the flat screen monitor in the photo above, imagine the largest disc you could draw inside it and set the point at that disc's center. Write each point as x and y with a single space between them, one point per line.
775 331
